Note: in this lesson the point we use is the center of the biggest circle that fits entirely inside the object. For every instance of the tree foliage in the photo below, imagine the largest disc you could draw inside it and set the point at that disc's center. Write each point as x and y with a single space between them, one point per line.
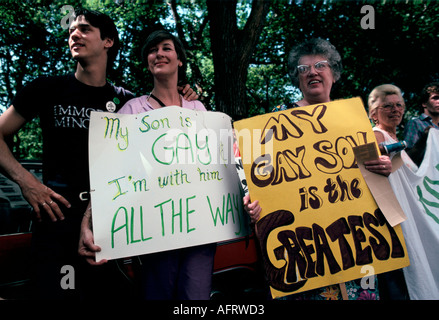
237 50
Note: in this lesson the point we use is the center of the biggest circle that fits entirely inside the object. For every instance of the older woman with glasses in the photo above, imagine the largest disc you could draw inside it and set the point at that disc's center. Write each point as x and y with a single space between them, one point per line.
386 109
314 66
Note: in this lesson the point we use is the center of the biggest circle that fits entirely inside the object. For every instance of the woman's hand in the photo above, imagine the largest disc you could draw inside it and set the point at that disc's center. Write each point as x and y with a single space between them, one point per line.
188 93
383 166
87 247
253 208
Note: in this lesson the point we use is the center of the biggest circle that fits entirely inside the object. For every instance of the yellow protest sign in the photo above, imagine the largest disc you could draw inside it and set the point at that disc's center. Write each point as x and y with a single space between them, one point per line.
320 224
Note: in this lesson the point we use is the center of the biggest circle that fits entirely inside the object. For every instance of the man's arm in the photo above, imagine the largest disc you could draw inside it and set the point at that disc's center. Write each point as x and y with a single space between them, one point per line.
87 247
37 195
417 151
412 132
188 93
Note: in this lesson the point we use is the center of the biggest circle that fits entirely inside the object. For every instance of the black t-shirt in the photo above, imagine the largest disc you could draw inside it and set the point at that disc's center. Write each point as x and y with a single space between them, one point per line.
64 105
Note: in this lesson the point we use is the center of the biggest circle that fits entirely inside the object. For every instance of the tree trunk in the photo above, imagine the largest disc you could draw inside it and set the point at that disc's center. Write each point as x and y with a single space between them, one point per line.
232 50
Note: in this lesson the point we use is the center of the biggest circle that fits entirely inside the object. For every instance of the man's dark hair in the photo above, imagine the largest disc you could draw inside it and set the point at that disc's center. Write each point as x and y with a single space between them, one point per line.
107 28
432 87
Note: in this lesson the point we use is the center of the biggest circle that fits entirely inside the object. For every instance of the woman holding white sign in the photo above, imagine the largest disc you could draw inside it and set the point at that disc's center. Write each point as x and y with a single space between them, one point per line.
182 274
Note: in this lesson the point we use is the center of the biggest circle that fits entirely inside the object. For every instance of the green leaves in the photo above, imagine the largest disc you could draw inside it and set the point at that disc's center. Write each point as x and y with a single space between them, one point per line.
400 50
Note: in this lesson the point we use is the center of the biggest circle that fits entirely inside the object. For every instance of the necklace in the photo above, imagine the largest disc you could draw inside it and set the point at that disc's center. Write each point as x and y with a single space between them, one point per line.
160 102
157 99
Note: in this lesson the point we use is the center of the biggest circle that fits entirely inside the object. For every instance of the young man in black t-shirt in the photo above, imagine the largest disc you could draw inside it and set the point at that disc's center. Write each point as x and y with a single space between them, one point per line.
64 104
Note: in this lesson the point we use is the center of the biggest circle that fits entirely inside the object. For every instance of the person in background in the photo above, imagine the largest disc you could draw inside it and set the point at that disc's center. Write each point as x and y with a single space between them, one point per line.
416 130
314 66
182 274
386 109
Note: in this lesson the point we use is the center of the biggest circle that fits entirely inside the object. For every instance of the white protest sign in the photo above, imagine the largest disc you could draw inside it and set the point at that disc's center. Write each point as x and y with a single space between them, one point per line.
163 180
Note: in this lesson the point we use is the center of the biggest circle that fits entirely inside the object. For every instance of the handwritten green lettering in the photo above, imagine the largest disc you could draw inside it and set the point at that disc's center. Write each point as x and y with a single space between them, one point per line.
123 226
113 125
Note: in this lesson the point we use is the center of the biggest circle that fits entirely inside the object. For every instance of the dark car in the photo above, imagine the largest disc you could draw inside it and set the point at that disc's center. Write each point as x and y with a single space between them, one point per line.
237 267
15 237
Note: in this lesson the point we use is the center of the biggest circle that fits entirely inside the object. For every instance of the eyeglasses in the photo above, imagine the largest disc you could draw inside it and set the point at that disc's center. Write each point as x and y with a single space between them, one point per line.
389 107
318 66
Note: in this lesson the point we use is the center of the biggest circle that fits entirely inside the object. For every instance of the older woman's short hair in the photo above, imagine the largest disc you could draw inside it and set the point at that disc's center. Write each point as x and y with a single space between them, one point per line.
314 46
379 93
157 37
